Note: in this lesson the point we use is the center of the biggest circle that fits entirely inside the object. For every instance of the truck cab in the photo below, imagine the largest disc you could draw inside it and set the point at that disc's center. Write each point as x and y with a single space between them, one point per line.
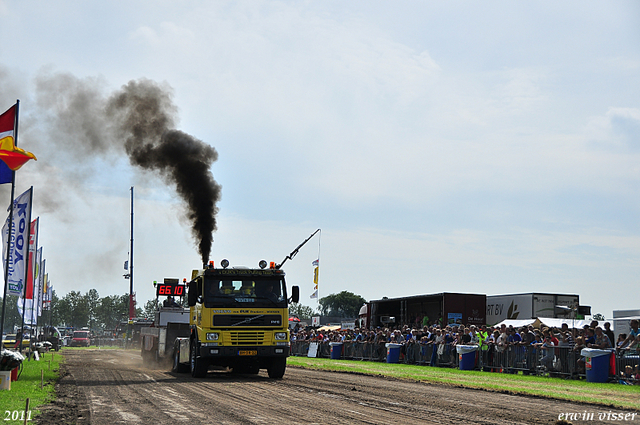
239 319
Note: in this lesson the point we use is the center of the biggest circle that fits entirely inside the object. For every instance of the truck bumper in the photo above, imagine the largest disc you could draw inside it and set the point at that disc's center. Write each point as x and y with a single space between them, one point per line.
243 351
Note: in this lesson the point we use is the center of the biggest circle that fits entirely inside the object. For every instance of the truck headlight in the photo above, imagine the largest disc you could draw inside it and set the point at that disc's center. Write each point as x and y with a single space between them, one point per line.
212 336
281 336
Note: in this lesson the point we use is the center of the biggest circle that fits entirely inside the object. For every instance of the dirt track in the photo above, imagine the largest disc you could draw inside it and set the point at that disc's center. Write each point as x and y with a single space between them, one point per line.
112 386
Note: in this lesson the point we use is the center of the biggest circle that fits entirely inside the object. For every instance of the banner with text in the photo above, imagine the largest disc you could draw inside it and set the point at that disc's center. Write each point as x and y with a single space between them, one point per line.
18 246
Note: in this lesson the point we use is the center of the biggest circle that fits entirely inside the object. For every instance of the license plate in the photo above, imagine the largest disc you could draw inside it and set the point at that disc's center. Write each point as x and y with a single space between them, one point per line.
248 353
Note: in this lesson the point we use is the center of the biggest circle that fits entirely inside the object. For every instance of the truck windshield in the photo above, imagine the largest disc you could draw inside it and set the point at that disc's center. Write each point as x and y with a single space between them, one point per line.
258 291
81 334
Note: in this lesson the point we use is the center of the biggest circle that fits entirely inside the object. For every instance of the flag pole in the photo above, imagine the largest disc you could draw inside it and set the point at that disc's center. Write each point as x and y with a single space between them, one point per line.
36 267
10 229
6 265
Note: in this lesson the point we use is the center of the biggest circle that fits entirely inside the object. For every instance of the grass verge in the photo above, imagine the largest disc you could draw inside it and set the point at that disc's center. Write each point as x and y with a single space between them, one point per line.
28 385
611 395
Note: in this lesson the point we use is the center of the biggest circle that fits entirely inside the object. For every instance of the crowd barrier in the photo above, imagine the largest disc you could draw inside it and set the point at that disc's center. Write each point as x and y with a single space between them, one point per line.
556 362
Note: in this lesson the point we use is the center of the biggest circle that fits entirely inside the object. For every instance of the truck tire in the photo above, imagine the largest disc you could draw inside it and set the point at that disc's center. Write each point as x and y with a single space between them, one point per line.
176 365
198 365
277 367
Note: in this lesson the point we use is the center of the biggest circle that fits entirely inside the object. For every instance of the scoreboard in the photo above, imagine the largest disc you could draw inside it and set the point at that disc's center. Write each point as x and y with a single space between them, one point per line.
170 288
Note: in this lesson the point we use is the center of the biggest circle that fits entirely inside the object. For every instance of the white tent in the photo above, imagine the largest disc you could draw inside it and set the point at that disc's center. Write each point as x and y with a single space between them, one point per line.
518 323
557 323
542 322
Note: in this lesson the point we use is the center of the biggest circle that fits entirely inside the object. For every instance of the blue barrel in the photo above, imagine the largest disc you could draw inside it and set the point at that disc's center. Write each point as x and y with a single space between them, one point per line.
597 364
336 350
393 352
467 356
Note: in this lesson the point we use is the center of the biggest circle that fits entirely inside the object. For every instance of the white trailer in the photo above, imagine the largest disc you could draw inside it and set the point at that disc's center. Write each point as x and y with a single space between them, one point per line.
158 342
621 319
530 306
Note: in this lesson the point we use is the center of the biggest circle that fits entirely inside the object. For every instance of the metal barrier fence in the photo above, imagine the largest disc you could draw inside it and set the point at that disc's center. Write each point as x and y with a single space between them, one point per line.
558 361
624 360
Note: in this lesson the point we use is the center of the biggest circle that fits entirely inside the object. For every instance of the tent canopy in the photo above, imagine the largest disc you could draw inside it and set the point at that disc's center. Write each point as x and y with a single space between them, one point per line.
557 323
518 323
329 328
541 322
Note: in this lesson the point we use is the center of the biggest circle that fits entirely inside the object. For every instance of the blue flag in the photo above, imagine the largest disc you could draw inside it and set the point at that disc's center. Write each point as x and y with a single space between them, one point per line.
5 173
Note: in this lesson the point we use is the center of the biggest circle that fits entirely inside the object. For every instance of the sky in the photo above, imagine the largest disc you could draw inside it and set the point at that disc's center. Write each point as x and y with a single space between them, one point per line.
466 147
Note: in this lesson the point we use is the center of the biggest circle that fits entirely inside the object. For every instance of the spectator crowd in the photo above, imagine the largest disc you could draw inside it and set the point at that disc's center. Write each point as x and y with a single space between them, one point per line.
521 344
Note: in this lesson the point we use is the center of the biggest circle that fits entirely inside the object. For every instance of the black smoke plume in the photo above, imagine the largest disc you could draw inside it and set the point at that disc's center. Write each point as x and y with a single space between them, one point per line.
143 113
138 119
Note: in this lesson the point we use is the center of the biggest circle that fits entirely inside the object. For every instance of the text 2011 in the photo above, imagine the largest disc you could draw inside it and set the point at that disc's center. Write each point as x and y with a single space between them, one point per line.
16 415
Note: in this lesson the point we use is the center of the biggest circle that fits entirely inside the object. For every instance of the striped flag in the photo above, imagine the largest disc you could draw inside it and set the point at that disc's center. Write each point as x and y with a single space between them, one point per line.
11 155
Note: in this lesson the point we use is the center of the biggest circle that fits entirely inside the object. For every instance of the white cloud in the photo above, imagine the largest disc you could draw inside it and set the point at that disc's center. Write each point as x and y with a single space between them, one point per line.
485 148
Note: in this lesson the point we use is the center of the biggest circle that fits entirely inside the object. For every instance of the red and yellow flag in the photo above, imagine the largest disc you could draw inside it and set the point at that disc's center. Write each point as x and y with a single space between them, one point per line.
12 155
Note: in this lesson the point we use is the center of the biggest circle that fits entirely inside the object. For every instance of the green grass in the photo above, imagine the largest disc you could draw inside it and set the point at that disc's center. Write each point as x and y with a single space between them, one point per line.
28 386
612 395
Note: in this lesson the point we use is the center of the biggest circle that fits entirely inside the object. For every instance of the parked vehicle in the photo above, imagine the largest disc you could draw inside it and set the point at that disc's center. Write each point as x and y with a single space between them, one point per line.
9 341
80 338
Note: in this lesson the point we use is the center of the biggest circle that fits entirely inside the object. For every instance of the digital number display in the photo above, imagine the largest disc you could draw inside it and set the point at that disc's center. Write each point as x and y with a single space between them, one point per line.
170 290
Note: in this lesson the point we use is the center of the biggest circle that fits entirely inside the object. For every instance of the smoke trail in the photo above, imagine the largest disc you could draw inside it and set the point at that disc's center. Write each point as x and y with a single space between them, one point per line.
138 119
143 113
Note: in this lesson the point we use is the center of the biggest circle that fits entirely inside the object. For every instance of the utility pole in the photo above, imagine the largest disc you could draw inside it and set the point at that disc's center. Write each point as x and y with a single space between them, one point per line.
132 308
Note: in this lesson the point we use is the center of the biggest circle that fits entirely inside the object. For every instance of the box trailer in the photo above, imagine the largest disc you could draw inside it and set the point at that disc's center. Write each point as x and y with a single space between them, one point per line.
442 309
530 306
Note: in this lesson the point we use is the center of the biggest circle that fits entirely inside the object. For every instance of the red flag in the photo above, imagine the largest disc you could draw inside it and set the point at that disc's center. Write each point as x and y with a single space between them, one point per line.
12 155
33 237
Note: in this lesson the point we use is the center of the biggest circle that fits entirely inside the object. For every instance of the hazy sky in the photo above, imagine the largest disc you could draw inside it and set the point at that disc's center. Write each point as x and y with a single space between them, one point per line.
488 147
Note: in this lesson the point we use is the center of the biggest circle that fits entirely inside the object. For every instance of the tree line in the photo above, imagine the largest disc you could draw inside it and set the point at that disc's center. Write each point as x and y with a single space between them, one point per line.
78 310
344 304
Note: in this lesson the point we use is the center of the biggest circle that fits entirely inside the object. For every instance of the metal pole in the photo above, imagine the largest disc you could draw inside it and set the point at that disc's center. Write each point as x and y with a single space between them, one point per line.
131 305
6 266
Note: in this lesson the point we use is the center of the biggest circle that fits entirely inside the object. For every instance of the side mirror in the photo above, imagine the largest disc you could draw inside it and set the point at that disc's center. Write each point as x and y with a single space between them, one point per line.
295 294
193 293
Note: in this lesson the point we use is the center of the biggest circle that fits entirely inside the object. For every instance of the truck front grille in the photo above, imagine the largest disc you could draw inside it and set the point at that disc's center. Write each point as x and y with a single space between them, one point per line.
245 321
246 338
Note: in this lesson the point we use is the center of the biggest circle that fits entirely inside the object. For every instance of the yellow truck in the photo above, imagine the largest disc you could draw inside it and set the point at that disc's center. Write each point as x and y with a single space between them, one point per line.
238 319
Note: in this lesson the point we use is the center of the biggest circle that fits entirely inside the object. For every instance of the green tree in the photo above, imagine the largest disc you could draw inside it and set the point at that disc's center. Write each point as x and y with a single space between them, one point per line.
62 312
55 309
93 301
301 311
78 316
344 304
150 308
12 318
112 310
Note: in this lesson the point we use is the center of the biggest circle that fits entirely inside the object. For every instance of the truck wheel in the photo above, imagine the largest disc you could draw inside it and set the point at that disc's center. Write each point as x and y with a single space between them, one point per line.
198 365
277 367
177 366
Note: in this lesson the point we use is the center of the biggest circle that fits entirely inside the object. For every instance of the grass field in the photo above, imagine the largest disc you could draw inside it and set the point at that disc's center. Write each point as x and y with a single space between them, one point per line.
28 385
612 395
